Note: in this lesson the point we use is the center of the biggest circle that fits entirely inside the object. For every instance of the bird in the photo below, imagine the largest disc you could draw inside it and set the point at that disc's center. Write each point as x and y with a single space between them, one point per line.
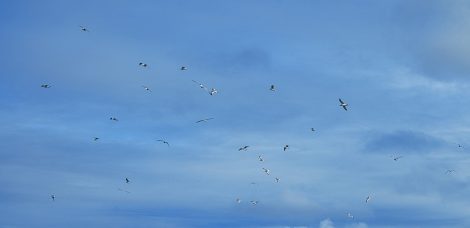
272 88
163 141
397 157
459 145
260 158
147 88
277 179
95 138
200 85
113 118
213 91
127 180
368 198
122 190
204 120
183 68
312 129
286 147
253 183
266 171
143 64
53 197
350 215
450 171
238 200
45 86
84 29
254 202
343 104
243 148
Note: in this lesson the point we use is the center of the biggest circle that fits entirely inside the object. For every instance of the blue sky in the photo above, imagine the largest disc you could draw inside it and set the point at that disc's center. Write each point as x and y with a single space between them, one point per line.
402 66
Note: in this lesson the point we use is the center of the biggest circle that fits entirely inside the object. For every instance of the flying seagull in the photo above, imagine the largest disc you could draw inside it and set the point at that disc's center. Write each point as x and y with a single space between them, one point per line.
213 91
183 68
254 202
450 171
84 29
343 104
95 138
286 147
143 64
368 198
45 86
113 118
272 88
53 197
163 141
312 129
260 158
147 88
238 200
277 179
243 148
350 215
127 180
122 190
204 120
397 157
266 171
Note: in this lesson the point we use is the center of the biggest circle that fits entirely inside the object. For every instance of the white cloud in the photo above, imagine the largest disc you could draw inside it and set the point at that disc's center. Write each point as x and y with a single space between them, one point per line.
326 223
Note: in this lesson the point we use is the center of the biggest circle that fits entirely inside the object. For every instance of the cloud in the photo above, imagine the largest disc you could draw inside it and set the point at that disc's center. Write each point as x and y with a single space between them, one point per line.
326 223
407 141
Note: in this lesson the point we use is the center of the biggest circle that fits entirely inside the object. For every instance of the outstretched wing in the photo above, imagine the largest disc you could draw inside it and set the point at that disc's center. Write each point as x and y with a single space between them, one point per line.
345 108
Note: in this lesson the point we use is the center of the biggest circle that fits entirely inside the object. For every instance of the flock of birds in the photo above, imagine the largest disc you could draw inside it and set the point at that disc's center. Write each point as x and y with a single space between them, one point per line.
213 91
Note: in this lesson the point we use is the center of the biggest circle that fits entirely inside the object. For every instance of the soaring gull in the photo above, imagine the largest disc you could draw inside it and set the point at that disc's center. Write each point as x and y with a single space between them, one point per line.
84 29
343 104
163 141
143 64
286 147
266 171
204 120
45 86
243 148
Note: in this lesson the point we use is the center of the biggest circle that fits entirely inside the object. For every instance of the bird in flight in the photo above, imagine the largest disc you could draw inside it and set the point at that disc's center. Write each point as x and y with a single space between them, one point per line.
95 138
204 120
238 200
122 190
260 158
45 86
350 215
286 147
368 198
53 197
343 104
450 171
243 148
254 202
211 92
143 64
396 158
277 179
266 171
312 129
183 68
163 141
272 88
147 88
127 180
84 29
113 118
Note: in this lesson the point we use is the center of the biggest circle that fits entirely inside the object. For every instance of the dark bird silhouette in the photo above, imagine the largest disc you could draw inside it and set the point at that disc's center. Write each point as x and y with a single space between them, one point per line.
84 29
96 138
143 64
272 88
53 197
113 118
243 148
204 120
163 141
45 86
127 180
286 147
183 68
343 104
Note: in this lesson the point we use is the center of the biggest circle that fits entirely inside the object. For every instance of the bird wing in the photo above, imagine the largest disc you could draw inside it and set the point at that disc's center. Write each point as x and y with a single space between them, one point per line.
340 101
345 108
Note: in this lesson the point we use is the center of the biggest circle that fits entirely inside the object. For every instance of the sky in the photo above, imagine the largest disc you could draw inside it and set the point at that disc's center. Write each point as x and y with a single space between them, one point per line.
401 65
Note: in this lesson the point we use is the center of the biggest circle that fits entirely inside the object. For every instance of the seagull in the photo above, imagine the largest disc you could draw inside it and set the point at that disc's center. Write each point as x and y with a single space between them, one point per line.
183 68
312 129
460 146
238 200
200 85
204 120
213 91
396 158
122 190
95 138
343 104
53 197
127 180
350 215
450 171
243 148
260 158
277 179
45 86
163 141
84 29
266 171
113 118
272 88
254 202
147 88
368 198
286 147
143 64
